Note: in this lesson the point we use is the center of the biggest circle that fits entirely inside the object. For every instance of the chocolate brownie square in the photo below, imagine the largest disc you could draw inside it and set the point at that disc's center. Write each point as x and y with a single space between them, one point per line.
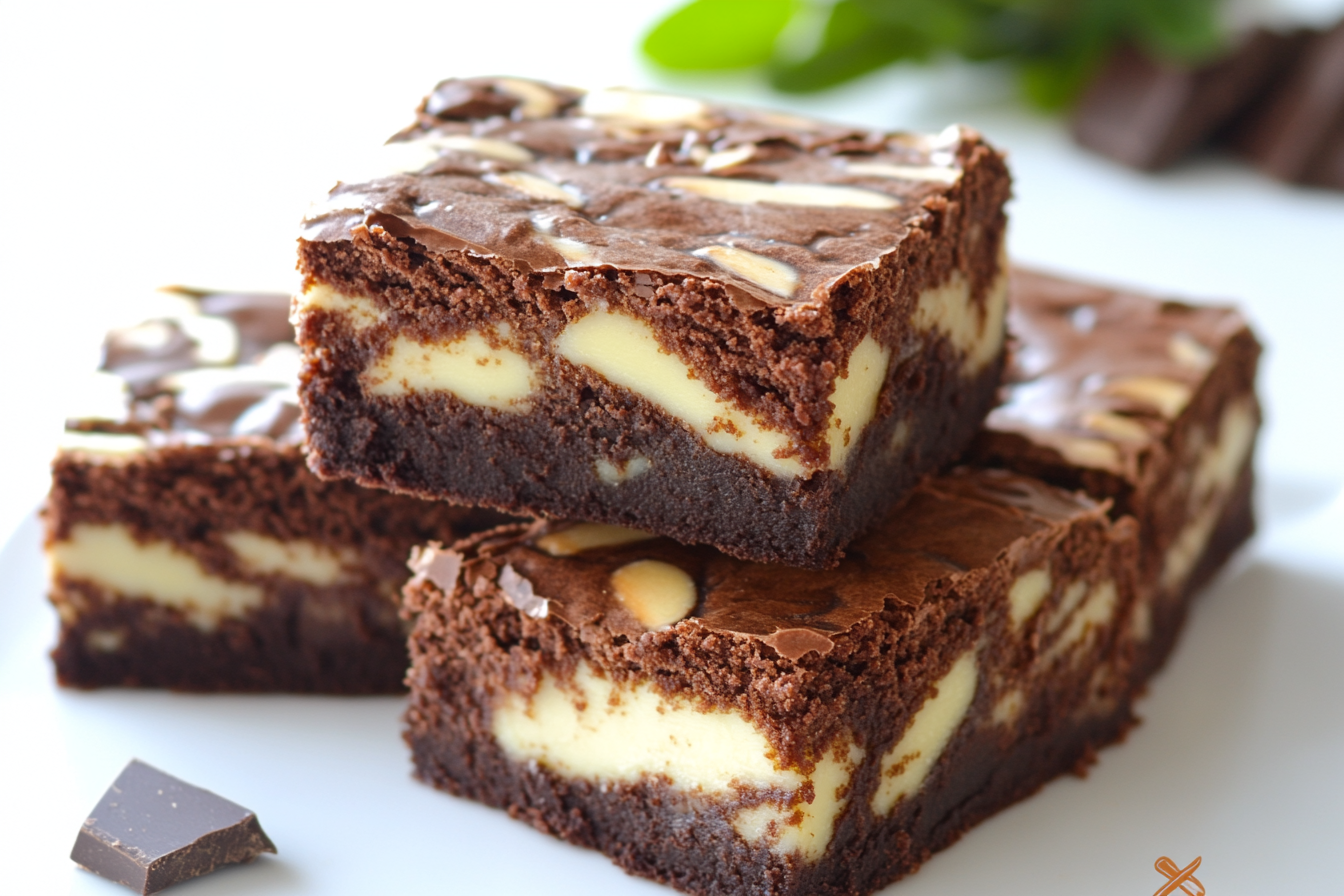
189 546
727 326
730 727
1147 402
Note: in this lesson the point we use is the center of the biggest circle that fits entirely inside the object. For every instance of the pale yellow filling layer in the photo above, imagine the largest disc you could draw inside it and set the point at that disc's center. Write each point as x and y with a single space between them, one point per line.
1097 610
625 351
108 555
298 558
485 370
1026 595
790 827
948 310
906 765
1215 475
359 312
470 367
592 730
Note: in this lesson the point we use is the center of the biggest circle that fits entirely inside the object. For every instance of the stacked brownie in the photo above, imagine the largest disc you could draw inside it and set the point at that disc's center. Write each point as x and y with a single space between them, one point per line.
762 639
726 726
797 604
730 327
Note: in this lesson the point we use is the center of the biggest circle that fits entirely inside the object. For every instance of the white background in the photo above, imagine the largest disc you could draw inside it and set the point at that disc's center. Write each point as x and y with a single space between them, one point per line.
154 143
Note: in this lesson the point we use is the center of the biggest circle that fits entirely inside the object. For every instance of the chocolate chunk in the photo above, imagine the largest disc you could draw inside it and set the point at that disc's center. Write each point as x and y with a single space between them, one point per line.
1296 132
151 830
1148 114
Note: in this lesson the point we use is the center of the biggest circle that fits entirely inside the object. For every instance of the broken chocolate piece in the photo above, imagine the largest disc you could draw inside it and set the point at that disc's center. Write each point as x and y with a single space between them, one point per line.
1296 132
151 830
1148 114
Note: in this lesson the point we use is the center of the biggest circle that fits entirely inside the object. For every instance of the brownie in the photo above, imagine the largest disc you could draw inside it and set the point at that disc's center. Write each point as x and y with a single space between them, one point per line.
1148 403
730 727
190 547
726 326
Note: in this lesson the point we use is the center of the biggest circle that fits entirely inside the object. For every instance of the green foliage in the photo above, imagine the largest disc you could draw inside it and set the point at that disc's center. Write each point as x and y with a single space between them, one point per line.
853 43
1055 45
719 34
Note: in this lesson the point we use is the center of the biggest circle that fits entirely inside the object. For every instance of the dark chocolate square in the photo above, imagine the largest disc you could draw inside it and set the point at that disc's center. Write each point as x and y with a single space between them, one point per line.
151 830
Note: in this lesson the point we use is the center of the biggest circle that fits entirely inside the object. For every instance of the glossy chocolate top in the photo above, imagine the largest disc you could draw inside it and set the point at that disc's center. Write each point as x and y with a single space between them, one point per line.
549 178
1100 374
206 365
954 524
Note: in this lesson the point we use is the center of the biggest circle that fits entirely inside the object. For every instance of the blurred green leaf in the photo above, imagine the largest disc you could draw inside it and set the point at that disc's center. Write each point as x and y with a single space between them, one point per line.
719 34
1056 45
943 23
1053 82
852 44
1185 30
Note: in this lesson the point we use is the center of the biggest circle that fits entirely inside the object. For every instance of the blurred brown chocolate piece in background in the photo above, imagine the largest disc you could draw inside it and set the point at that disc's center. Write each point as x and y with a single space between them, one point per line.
1295 131
1276 98
1148 113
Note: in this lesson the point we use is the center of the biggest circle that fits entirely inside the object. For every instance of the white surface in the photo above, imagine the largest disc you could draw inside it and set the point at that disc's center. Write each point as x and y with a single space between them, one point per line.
148 143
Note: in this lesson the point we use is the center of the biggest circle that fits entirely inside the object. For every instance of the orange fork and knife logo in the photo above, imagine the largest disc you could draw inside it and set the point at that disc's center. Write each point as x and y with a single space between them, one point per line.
1180 881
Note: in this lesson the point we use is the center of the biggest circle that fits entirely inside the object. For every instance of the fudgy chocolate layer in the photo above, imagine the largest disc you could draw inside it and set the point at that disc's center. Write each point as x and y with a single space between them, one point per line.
762 271
541 463
809 658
